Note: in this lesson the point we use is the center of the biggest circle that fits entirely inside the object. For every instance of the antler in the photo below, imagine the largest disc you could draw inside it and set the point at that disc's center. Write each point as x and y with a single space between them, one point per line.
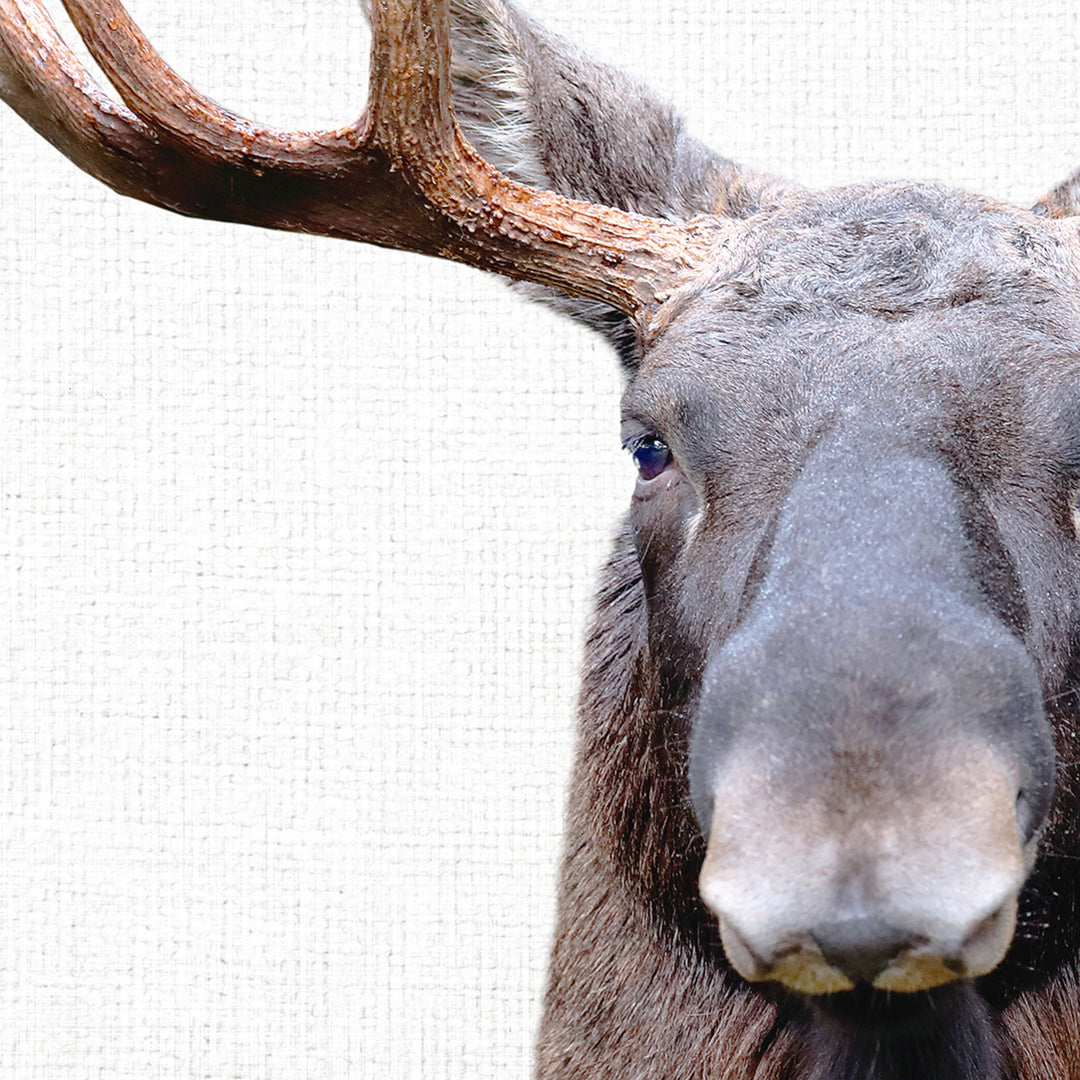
400 177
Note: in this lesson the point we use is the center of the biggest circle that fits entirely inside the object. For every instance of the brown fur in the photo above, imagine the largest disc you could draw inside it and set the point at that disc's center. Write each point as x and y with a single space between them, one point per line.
1043 1030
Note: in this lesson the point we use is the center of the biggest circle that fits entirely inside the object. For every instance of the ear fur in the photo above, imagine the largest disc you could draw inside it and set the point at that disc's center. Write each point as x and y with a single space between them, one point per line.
492 97
542 111
548 115
1061 201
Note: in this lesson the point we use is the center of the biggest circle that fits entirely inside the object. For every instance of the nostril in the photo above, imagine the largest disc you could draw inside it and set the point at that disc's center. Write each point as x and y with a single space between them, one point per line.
1027 821
984 945
862 948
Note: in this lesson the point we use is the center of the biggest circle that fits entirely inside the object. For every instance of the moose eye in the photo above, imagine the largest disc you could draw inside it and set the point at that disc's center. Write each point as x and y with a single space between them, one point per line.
652 457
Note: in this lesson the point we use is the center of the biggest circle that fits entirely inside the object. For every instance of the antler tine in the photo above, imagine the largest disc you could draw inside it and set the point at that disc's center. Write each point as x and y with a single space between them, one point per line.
173 108
401 177
43 81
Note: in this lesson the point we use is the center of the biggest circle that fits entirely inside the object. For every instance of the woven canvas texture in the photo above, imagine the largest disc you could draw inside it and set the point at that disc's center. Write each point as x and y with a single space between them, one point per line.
299 537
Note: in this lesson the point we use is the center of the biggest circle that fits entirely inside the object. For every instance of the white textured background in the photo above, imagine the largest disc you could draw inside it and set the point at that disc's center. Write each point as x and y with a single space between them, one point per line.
298 539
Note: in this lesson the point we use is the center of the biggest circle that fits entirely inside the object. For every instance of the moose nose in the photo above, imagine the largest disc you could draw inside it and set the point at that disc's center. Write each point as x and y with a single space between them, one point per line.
861 949
805 950
833 956
904 890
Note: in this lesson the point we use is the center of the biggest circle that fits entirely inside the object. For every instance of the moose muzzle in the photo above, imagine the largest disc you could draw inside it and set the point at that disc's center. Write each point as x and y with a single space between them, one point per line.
870 761
906 887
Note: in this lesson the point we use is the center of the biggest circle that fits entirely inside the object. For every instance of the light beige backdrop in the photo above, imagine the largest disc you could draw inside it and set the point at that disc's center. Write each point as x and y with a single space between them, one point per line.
298 540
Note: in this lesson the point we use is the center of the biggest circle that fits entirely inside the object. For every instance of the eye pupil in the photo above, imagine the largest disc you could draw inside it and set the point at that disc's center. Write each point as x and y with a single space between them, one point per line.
652 458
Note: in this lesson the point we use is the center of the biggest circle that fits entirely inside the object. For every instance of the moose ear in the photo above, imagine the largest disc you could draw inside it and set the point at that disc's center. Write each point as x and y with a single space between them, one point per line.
1062 201
546 114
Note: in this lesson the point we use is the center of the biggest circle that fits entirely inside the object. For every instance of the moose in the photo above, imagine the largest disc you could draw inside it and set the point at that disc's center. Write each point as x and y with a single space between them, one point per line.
824 822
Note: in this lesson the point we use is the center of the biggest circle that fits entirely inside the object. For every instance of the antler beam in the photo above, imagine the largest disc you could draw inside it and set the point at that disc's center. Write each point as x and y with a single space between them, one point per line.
401 177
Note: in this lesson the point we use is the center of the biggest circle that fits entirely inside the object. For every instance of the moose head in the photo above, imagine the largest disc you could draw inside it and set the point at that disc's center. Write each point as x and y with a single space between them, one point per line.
829 700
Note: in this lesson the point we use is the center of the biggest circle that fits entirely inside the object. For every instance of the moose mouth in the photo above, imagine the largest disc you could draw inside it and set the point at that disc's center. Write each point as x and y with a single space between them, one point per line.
888 1015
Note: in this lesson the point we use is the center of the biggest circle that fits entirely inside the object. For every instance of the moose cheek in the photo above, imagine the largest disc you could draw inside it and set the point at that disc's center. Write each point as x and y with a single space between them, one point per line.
662 512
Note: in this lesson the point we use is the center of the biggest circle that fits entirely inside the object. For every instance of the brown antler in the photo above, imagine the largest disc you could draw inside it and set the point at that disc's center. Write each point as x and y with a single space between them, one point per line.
401 177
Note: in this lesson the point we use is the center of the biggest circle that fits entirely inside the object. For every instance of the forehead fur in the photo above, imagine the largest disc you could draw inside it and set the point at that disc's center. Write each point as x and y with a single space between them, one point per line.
891 249
890 253
920 298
